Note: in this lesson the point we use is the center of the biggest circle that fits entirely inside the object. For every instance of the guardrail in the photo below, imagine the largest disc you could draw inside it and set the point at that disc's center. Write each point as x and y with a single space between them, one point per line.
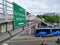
6 9
6 14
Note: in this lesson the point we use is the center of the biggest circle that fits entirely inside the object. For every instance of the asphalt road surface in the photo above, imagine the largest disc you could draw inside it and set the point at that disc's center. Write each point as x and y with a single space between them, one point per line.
31 40
34 42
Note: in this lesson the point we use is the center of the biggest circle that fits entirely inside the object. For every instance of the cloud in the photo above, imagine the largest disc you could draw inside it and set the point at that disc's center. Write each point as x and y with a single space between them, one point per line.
39 6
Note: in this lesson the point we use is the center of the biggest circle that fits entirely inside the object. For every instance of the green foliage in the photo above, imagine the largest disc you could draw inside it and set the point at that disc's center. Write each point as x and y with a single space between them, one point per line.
39 16
49 18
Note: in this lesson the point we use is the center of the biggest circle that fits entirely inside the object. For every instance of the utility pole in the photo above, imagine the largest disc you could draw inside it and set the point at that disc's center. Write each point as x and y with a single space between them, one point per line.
59 20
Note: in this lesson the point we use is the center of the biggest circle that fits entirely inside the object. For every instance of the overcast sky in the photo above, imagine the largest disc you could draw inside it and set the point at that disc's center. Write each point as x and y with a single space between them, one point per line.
39 6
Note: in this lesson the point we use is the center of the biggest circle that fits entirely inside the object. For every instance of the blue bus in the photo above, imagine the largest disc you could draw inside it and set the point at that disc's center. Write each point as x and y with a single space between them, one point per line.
47 32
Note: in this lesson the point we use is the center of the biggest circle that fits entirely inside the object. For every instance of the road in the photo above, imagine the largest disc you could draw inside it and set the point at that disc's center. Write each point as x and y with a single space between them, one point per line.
31 40
36 42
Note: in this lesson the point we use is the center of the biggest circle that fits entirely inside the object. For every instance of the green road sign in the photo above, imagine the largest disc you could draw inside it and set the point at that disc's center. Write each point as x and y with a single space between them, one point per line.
19 16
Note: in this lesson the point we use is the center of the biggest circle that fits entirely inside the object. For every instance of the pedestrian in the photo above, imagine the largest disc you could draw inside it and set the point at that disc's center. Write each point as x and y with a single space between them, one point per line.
44 43
58 40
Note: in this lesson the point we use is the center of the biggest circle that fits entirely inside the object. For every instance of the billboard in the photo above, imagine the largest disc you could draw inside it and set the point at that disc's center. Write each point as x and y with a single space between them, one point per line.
19 16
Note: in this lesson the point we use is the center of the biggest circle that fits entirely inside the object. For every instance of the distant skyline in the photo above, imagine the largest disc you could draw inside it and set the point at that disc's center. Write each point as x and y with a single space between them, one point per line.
39 6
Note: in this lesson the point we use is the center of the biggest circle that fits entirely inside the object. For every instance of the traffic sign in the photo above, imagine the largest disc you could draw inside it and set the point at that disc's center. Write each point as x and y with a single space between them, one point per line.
19 16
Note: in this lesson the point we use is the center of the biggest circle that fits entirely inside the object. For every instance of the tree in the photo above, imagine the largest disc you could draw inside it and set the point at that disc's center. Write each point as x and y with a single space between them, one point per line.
49 18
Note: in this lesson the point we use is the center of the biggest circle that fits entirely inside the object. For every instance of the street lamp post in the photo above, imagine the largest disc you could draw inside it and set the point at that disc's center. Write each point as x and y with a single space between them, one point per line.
59 22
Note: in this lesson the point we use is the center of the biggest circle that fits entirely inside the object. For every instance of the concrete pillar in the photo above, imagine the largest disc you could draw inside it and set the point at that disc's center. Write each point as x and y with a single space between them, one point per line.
29 30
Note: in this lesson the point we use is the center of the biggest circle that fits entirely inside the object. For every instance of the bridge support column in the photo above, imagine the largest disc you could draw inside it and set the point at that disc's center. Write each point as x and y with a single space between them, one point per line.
29 30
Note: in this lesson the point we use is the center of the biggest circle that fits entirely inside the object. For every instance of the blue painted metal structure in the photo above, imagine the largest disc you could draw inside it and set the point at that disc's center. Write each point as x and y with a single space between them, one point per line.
47 32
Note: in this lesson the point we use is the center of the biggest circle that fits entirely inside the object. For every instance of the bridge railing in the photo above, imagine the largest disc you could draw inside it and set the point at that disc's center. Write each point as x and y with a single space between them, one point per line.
6 15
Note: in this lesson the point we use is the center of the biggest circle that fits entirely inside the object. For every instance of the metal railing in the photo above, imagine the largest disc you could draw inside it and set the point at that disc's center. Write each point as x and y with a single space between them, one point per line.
6 13
6 9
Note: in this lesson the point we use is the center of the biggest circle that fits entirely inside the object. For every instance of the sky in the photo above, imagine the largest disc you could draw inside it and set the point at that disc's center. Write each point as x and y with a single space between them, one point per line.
39 6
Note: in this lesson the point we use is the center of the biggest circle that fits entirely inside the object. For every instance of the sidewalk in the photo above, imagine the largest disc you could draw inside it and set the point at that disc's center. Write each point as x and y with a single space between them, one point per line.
5 36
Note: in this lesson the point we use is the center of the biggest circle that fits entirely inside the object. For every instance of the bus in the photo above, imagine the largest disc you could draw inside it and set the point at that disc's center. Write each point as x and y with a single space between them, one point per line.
47 32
